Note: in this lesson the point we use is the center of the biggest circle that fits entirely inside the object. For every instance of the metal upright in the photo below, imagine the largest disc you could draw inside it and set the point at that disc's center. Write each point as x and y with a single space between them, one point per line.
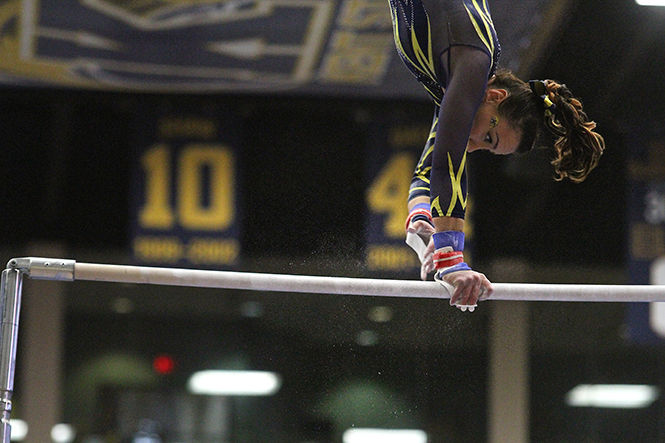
10 306
10 303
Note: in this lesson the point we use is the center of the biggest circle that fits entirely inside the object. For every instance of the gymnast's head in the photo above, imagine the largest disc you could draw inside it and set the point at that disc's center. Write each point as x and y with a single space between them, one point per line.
516 115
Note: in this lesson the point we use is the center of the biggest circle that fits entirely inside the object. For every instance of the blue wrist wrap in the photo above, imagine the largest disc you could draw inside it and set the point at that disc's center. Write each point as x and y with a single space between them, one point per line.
458 267
421 206
454 239
421 211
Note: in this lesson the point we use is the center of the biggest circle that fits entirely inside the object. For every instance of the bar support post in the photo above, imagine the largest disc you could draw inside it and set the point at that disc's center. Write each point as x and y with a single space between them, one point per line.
10 306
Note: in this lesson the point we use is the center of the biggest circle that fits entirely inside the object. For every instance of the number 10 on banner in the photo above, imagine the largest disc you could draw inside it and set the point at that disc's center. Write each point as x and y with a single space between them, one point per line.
199 206
187 211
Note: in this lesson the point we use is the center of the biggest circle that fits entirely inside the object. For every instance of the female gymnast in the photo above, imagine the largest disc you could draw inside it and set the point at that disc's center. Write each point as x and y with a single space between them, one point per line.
452 48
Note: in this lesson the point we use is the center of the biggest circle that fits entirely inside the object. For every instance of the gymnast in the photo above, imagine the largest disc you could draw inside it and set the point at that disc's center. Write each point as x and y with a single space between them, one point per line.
452 49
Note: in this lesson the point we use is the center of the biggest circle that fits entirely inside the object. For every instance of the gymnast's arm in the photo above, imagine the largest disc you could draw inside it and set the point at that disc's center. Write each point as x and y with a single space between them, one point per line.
468 75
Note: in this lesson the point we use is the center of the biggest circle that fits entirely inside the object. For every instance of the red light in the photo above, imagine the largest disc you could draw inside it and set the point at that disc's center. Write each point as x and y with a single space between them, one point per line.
163 364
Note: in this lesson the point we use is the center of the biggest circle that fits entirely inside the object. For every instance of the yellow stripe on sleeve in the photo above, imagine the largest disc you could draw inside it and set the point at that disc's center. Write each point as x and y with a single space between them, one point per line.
456 181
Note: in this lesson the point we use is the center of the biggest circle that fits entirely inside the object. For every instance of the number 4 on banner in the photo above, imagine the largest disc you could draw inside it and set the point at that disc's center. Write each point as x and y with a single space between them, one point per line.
389 191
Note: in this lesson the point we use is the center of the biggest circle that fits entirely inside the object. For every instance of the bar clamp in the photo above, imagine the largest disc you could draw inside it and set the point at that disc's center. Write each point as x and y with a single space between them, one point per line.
39 268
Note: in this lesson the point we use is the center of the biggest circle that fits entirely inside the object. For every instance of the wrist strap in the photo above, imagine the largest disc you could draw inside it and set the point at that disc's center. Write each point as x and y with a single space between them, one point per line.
444 259
458 267
448 255
421 211
454 240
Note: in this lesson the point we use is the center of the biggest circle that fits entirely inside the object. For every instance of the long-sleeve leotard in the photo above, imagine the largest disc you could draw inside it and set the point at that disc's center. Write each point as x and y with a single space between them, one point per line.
426 31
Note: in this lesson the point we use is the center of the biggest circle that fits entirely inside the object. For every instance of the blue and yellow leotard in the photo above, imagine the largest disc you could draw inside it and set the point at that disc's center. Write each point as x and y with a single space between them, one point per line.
425 31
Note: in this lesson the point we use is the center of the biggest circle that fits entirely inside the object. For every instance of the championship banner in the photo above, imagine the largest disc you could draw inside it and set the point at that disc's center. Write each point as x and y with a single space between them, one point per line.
395 145
392 155
203 45
337 47
185 198
646 242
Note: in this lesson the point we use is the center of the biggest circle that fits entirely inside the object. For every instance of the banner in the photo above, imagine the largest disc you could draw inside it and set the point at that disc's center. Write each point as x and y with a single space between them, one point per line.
185 198
225 45
336 47
391 158
646 241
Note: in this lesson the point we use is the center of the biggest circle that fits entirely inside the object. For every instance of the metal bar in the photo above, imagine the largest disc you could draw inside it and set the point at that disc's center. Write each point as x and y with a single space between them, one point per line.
359 286
69 270
10 305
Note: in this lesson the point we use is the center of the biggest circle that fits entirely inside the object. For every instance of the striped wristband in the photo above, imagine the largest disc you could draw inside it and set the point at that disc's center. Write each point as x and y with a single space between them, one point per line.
421 211
448 256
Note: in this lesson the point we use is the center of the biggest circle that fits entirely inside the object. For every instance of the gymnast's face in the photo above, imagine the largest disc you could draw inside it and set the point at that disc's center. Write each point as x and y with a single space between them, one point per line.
490 132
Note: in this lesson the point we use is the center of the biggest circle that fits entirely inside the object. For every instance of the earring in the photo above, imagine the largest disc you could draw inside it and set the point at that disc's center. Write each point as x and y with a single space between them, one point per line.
494 121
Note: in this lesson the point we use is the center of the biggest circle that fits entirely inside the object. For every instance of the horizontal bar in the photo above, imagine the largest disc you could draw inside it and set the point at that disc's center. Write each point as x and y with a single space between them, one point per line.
359 286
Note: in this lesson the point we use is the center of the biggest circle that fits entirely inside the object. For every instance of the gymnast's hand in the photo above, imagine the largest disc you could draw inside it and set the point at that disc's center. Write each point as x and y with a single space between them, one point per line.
470 286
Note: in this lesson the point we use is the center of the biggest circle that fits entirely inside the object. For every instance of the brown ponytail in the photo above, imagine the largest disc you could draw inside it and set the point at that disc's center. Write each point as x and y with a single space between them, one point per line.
577 147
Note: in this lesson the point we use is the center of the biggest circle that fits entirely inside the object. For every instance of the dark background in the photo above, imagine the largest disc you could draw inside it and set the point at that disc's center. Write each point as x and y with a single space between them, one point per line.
65 178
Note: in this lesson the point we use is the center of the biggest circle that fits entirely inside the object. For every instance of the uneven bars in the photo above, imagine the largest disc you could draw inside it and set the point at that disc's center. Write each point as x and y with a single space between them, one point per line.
58 269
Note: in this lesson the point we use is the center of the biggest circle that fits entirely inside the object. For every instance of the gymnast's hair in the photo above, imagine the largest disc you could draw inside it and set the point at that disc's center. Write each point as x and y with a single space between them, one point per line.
549 108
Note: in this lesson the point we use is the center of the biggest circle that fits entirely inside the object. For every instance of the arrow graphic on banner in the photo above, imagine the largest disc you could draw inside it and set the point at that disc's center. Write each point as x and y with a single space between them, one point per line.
122 44
252 49
80 38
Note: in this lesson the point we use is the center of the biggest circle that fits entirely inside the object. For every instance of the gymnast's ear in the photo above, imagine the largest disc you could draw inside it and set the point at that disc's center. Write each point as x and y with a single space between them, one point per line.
495 95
